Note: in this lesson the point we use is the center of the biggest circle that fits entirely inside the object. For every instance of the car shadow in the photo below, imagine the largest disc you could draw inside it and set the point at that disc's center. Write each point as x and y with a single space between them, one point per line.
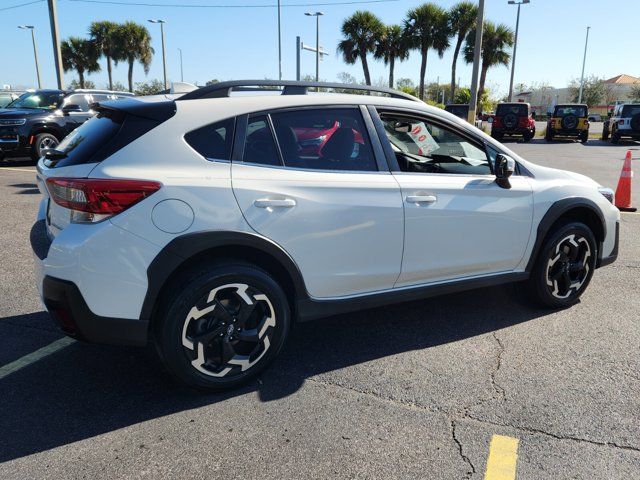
86 390
27 188
17 162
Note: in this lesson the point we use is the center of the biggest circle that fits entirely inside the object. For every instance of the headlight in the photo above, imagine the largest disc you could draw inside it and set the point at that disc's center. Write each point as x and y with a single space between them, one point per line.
14 122
607 193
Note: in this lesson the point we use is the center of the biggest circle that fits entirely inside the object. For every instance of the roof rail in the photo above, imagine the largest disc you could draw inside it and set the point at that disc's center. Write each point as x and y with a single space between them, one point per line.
290 87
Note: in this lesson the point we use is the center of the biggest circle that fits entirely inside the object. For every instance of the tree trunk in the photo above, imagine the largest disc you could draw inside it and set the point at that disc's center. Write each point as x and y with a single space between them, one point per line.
109 72
423 69
453 68
130 74
365 67
81 78
392 62
483 78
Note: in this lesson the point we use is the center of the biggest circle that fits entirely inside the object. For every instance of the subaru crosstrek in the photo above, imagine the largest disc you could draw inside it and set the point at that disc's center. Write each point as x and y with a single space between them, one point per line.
206 225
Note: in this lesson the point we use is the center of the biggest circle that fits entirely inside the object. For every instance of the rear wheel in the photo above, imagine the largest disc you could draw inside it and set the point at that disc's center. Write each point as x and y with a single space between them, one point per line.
223 326
564 267
528 135
584 137
615 137
548 136
42 142
605 134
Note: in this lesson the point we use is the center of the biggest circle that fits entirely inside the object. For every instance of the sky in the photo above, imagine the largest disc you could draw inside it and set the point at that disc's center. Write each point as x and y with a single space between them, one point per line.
237 41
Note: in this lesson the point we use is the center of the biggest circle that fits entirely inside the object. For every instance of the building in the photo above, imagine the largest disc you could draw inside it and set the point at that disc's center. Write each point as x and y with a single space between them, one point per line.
617 90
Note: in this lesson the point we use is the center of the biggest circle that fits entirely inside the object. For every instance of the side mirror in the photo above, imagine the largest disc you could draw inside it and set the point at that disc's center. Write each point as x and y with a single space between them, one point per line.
402 127
504 168
71 107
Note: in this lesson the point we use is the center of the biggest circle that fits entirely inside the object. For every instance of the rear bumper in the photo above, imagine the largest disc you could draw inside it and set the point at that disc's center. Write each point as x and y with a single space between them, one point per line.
512 132
627 133
68 308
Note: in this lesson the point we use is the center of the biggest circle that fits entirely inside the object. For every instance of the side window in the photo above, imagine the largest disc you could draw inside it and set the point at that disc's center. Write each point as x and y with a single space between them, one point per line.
424 147
213 141
78 99
324 139
259 145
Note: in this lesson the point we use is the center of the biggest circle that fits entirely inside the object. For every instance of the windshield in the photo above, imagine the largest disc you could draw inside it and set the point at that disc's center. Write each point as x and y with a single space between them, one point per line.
43 100
518 109
577 110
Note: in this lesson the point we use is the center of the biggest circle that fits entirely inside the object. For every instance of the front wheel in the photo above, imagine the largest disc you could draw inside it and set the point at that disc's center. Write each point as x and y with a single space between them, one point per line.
584 137
222 326
564 267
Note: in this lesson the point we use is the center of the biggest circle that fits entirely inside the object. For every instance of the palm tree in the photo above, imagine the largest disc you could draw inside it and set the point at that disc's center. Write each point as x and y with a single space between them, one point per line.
360 32
497 41
462 18
427 27
80 55
392 45
134 43
103 34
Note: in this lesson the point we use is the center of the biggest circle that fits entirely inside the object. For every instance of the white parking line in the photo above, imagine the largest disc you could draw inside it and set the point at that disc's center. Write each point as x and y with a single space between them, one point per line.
16 169
33 357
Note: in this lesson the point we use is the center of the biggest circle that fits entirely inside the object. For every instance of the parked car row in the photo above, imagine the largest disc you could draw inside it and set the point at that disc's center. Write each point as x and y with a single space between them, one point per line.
566 121
40 119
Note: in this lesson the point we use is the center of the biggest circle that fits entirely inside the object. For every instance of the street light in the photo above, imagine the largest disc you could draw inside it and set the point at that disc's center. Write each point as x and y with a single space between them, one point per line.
164 60
515 45
181 73
317 15
584 59
35 50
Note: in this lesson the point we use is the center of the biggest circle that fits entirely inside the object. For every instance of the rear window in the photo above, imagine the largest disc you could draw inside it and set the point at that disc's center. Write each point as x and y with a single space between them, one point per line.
518 109
563 111
630 110
98 138
213 141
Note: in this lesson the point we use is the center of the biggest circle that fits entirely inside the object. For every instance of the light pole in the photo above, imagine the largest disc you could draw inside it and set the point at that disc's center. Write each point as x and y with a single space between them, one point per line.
35 50
473 103
164 59
279 42
584 59
317 15
515 46
181 72
55 40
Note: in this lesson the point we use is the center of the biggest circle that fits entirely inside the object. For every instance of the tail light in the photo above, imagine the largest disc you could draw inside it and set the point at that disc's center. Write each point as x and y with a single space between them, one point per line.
620 122
497 122
92 200
523 122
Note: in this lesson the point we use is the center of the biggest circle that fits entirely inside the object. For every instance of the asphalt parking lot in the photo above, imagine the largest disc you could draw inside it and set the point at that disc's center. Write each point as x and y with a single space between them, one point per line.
409 391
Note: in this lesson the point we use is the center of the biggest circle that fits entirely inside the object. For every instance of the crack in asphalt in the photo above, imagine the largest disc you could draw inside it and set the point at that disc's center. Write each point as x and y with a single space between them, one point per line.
539 431
500 391
466 459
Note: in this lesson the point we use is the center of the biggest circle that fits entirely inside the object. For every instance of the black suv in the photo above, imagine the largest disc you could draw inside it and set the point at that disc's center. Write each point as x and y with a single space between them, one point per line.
41 119
513 119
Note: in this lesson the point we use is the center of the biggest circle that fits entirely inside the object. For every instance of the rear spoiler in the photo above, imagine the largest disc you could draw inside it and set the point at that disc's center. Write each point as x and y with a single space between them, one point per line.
159 111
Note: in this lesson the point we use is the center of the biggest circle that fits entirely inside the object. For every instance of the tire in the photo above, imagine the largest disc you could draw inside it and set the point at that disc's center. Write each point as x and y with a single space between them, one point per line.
528 136
615 137
548 136
224 357
605 134
584 137
497 136
553 285
42 141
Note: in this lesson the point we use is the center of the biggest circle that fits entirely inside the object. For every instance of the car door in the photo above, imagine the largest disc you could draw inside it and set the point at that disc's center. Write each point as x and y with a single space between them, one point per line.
458 221
313 181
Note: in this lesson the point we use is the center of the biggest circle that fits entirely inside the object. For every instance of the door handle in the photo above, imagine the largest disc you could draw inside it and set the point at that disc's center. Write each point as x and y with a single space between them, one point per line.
421 199
275 203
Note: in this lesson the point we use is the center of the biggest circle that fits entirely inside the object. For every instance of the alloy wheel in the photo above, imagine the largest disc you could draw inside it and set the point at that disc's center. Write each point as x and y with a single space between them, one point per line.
229 330
568 266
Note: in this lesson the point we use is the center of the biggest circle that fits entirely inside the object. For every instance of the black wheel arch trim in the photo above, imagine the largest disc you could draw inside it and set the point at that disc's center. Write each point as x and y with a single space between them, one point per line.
555 211
185 247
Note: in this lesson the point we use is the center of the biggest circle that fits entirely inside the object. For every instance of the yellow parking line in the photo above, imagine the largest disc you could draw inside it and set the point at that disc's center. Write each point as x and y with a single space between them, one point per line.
33 357
503 457
15 169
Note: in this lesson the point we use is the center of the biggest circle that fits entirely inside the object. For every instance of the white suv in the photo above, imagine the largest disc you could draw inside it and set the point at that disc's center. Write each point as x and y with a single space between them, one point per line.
210 223
624 123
